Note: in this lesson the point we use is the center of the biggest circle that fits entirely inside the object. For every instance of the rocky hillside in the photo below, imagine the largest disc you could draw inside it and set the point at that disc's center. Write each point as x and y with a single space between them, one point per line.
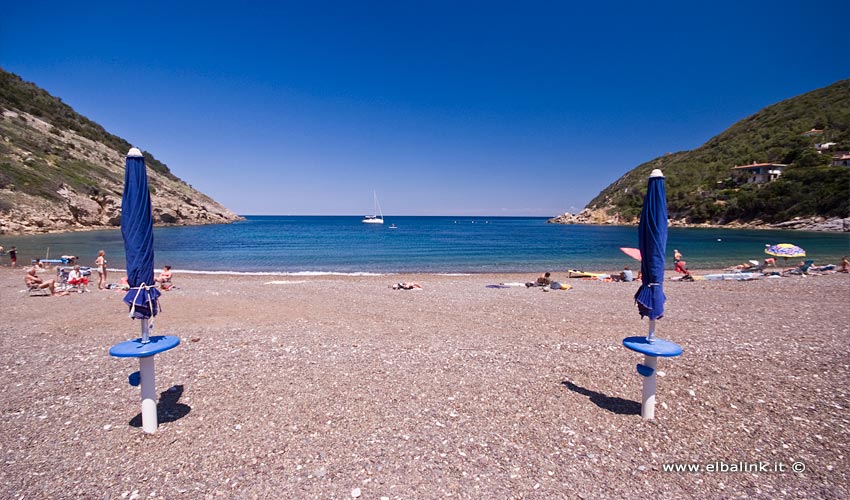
803 133
60 171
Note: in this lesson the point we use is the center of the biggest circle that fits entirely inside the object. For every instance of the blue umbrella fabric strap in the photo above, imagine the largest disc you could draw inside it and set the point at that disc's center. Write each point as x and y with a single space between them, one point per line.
143 301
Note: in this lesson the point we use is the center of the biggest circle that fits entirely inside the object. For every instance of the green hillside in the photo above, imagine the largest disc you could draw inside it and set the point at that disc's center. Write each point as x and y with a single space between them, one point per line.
700 187
50 165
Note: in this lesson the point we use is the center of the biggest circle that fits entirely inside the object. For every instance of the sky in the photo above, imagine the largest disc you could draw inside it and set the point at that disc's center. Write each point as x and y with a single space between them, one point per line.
441 108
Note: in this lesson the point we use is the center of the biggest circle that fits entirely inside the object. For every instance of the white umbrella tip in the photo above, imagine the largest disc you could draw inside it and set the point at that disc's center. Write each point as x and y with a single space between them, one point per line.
656 173
134 152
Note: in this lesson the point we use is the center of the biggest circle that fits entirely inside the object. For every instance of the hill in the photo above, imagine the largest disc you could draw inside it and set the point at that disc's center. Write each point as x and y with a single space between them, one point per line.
702 187
61 171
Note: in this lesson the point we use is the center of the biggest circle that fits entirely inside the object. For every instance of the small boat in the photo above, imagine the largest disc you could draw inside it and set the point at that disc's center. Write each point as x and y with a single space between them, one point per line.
393 226
374 219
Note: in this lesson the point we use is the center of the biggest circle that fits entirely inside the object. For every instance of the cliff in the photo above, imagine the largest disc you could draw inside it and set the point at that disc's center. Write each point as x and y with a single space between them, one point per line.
60 171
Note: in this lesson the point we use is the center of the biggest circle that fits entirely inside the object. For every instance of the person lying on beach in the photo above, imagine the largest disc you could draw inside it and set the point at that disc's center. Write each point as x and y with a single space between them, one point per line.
545 279
407 286
33 281
745 266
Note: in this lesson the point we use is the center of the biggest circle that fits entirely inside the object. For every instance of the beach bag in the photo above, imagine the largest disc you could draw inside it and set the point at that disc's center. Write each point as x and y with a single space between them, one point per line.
555 285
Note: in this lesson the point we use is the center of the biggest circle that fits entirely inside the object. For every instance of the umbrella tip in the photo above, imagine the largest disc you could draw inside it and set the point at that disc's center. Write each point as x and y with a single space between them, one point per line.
656 173
134 152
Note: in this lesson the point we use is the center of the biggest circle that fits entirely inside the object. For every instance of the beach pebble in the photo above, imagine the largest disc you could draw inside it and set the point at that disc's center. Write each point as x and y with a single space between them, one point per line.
355 493
692 393
107 427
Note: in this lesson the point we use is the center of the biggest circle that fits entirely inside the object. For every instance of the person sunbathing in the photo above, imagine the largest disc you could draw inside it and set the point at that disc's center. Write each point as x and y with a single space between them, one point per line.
33 281
164 278
76 278
406 285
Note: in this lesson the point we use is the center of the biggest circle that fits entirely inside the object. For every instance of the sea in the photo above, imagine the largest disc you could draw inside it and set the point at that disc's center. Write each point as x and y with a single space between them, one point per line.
318 245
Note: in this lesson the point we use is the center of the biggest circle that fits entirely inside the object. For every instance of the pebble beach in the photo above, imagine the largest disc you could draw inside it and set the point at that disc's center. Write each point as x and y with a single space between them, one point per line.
341 387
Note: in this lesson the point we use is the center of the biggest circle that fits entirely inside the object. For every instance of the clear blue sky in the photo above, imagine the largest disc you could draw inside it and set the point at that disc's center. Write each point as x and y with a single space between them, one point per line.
443 108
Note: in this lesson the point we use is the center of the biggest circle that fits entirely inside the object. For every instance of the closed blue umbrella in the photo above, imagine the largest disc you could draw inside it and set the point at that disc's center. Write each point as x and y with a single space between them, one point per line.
137 230
652 242
143 297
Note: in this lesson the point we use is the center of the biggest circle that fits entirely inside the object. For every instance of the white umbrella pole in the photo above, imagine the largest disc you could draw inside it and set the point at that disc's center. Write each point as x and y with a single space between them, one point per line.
647 410
148 383
648 407
148 379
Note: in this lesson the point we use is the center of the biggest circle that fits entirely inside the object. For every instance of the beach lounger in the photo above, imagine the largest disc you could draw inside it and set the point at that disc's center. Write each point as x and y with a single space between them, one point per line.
800 270
36 291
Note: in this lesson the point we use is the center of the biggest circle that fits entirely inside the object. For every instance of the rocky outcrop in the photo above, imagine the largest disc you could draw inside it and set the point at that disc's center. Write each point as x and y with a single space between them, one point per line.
32 149
834 224
587 216
603 217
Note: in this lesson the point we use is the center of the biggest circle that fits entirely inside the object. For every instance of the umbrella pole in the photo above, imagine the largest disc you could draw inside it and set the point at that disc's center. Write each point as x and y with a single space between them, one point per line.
148 382
148 379
145 331
647 410
650 336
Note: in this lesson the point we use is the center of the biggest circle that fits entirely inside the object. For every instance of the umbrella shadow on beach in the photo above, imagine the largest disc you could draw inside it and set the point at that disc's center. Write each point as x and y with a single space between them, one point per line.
168 409
619 406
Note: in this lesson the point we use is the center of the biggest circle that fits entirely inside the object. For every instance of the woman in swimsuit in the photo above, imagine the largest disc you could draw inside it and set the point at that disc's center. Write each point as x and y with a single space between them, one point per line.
100 264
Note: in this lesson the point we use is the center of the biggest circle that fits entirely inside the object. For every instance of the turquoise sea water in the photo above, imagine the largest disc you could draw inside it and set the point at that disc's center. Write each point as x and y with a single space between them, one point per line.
342 244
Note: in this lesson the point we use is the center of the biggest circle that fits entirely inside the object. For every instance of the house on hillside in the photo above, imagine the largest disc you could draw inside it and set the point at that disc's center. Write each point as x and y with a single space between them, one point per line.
757 173
812 132
841 159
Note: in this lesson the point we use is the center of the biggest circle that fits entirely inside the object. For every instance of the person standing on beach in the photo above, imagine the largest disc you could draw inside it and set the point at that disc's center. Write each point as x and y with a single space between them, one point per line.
678 264
13 256
100 264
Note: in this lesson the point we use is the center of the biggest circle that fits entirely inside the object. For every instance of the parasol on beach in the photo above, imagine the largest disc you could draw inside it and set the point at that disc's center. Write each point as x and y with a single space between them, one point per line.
137 230
652 242
143 297
632 252
786 250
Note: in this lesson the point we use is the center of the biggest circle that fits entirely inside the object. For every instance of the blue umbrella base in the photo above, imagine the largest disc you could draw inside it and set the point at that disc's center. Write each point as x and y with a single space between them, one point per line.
136 349
658 347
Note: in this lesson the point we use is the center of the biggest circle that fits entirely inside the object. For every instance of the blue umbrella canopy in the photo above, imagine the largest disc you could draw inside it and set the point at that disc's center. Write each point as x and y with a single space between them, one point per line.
137 230
652 242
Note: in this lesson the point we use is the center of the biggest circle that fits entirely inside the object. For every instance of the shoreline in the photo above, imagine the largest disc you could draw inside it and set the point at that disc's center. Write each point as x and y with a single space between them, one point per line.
813 224
317 386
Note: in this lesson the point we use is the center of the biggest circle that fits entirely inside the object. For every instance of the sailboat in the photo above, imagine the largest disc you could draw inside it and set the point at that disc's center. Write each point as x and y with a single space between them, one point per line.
374 219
